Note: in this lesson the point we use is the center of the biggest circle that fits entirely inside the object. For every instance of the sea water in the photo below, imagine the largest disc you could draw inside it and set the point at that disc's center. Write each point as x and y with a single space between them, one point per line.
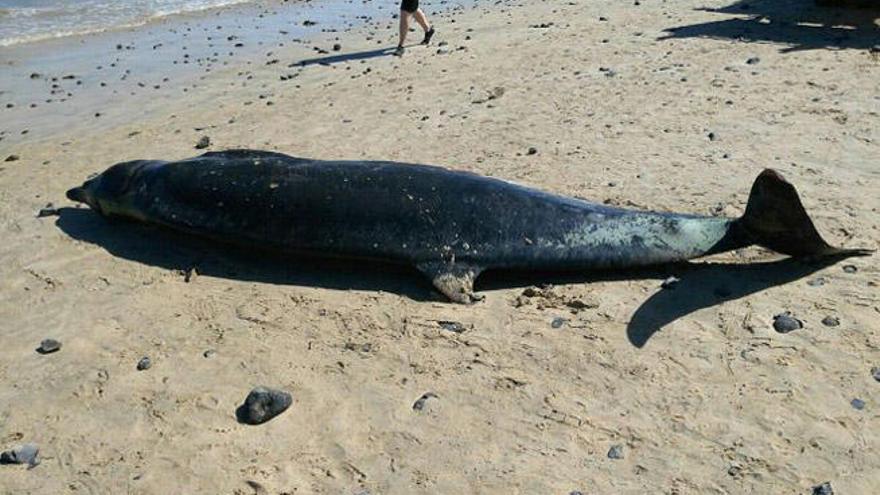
22 21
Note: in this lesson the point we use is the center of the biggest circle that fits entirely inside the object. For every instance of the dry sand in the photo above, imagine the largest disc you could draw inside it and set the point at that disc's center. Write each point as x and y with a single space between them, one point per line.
620 110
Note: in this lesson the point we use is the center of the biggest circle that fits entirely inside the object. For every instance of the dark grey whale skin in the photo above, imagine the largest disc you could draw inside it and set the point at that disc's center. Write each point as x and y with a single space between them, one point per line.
451 225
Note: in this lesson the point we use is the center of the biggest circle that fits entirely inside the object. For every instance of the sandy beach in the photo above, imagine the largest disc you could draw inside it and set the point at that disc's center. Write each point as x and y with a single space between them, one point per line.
600 383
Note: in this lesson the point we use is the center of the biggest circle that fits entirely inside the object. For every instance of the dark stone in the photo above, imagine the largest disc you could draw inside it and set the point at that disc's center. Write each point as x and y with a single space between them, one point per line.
858 404
615 452
823 489
12 158
875 372
784 323
26 454
47 211
816 282
557 322
420 403
533 151
263 404
850 268
831 321
712 136
209 353
144 364
753 60
203 143
337 47
49 346
452 326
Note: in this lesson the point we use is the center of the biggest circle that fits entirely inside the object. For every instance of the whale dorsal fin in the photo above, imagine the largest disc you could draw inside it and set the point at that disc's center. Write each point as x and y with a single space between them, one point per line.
245 153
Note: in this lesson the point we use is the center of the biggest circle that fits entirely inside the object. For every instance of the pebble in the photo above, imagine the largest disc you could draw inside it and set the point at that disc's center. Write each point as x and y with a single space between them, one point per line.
858 404
816 282
47 211
557 322
203 143
831 321
846 268
209 353
420 403
452 326
823 489
26 454
784 323
670 282
615 452
12 158
712 136
875 372
144 364
263 404
532 151
49 346
753 60
337 47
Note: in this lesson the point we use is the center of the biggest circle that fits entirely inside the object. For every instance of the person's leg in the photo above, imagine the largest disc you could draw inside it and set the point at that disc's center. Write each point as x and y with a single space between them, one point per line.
404 26
423 21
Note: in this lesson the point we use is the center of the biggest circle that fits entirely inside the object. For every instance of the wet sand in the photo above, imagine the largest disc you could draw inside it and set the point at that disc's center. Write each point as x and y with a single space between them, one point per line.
600 383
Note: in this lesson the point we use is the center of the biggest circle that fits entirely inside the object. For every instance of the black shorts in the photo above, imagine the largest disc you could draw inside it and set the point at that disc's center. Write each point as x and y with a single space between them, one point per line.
409 5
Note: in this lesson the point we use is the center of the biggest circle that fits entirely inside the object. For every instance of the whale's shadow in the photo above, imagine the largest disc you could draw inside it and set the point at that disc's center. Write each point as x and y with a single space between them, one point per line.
702 284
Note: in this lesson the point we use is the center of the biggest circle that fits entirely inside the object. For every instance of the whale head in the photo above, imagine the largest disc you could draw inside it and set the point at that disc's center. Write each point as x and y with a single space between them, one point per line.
109 192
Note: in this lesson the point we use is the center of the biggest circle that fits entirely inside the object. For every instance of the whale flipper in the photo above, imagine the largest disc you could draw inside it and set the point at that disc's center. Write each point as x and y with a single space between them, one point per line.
454 280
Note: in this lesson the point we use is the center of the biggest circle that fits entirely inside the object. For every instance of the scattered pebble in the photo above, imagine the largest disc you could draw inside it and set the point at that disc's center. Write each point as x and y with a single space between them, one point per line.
784 323
203 143
47 211
615 452
337 47
49 346
557 322
753 60
209 353
858 404
816 282
532 151
831 321
823 489
263 404
712 136
26 454
12 158
144 364
670 282
420 403
875 372
452 326
846 268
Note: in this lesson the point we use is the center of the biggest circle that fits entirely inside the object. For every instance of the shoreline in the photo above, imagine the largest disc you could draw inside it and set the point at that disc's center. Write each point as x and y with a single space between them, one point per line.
81 81
593 382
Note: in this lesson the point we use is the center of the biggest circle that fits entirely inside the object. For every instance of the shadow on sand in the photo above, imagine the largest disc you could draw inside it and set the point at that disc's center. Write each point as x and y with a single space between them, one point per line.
800 24
347 57
702 285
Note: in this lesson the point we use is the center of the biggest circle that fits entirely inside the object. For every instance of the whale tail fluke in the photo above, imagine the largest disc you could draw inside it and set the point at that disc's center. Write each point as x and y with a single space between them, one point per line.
775 218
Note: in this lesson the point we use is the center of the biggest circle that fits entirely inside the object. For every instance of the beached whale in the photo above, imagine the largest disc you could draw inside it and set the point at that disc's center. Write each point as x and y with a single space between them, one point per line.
450 225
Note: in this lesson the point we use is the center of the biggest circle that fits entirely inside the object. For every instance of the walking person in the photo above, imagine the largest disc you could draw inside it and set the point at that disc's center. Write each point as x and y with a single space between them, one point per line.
411 8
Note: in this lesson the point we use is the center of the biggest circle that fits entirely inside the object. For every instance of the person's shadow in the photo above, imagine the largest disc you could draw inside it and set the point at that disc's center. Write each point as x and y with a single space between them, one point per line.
800 24
702 284
347 57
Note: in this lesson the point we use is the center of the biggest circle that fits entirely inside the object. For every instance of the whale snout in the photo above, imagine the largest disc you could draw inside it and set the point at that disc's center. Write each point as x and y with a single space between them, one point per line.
77 194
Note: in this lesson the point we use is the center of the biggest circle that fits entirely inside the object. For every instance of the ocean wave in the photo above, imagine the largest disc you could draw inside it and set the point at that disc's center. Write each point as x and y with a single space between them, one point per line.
83 19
